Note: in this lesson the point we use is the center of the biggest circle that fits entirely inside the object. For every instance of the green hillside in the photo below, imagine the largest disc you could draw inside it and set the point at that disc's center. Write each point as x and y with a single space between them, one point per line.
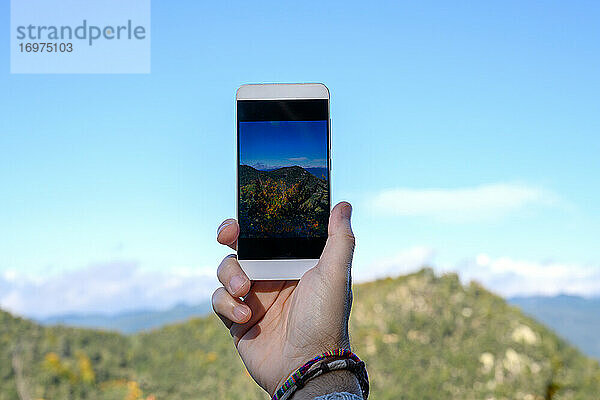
422 336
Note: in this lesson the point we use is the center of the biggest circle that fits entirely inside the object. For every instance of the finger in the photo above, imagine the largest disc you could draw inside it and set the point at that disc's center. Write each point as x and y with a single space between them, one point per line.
260 299
228 233
232 277
230 307
336 259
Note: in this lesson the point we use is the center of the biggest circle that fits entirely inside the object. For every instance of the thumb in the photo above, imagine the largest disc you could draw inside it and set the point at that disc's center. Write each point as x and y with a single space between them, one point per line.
336 259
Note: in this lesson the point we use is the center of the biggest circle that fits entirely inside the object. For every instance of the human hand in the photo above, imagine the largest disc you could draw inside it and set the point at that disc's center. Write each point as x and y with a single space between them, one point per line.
277 326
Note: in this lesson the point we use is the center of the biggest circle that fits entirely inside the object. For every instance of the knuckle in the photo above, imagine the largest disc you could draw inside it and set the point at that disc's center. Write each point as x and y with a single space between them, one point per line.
351 238
346 235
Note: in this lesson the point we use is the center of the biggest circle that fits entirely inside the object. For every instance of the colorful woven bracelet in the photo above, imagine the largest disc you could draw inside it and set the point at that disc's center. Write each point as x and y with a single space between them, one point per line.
297 379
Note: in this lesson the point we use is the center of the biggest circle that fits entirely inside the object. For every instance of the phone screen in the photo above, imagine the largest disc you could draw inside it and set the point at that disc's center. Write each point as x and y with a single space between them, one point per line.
283 178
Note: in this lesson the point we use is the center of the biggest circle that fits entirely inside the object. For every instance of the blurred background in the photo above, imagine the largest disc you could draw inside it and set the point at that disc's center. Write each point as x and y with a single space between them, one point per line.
464 134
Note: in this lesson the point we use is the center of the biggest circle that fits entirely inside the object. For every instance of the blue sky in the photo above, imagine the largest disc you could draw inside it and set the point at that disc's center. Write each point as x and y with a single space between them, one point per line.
465 135
273 144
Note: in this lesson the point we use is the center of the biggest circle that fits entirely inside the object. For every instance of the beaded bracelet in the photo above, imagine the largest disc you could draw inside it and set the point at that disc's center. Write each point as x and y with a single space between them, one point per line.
345 359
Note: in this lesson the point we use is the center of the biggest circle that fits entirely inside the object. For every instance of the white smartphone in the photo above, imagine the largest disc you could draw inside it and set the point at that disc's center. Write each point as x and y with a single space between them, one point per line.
283 178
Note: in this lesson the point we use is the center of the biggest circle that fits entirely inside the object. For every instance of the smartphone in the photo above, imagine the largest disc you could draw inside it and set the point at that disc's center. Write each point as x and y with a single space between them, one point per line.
283 178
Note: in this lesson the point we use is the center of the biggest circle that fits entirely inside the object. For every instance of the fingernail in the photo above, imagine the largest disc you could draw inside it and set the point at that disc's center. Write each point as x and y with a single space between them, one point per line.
236 283
347 210
223 226
241 312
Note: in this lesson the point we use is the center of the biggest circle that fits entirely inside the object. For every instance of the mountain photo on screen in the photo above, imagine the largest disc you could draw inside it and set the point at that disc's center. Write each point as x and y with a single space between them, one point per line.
283 188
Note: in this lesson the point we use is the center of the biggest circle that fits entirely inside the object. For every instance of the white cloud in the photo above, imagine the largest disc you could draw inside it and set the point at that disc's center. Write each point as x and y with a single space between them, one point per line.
511 277
461 204
403 262
105 288
119 286
503 275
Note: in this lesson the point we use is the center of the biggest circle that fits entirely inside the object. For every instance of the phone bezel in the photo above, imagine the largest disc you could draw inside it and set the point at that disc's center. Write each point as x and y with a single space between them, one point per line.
281 269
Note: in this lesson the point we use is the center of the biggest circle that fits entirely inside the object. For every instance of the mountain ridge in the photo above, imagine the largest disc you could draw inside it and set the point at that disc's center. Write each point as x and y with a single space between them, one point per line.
132 321
319 172
583 314
421 335
288 202
291 174
575 318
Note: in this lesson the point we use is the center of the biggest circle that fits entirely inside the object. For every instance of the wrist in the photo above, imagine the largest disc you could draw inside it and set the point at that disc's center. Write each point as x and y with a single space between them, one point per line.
325 373
330 382
309 356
